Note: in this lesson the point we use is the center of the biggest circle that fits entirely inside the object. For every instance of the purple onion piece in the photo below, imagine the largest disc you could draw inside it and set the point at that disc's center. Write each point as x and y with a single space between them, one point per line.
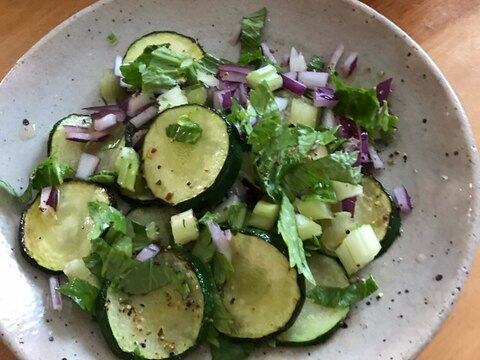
106 109
297 61
234 68
86 166
324 97
383 90
53 197
105 122
266 52
403 199
137 103
148 252
75 129
221 239
44 196
243 95
348 128
350 63
228 85
138 138
337 54
54 283
145 116
348 204
232 76
293 85
313 79
376 161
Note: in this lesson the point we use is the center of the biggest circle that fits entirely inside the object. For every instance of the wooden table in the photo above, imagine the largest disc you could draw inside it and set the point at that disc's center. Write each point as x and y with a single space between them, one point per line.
447 30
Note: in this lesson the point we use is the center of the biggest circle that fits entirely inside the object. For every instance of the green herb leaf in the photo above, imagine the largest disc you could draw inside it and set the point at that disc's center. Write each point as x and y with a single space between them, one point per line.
343 297
48 173
81 292
104 217
204 248
241 117
112 38
230 350
222 267
287 226
316 63
184 130
250 37
362 106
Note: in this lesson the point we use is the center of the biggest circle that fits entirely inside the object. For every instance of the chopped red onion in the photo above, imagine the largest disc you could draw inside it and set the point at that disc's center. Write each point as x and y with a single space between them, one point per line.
243 95
54 284
147 252
324 97
282 103
328 120
44 196
293 85
75 129
145 116
104 109
234 77
221 239
222 99
383 90
116 66
137 103
313 79
234 68
350 63
376 161
348 204
337 54
266 52
349 129
297 61
86 137
137 138
86 166
105 122
403 199
291 74
228 85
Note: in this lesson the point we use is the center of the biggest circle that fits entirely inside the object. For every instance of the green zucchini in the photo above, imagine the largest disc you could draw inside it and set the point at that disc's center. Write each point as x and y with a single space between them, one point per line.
178 43
316 323
52 239
263 294
161 324
191 175
68 152
376 208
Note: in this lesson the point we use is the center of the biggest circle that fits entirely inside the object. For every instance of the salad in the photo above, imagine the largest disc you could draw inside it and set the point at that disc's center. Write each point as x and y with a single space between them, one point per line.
212 201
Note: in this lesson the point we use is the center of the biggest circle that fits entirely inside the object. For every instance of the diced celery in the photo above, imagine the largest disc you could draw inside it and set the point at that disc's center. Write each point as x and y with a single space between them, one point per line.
184 227
303 112
314 209
127 166
358 249
110 88
264 215
196 94
334 233
266 74
170 98
76 269
345 190
307 228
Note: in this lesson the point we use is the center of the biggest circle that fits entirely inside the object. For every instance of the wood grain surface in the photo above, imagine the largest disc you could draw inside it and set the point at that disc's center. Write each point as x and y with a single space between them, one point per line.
448 30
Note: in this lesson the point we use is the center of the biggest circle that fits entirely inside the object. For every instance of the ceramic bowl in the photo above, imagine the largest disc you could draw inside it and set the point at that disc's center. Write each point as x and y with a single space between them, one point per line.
420 276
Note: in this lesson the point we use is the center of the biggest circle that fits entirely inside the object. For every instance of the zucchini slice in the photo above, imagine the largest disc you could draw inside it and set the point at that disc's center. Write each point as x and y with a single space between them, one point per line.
316 323
159 215
68 152
191 175
52 239
178 43
263 294
161 324
376 208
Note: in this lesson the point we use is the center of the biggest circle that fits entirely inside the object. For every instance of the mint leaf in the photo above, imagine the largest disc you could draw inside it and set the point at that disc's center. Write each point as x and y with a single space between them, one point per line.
316 63
48 173
250 37
287 226
184 130
81 292
343 297
362 106
105 216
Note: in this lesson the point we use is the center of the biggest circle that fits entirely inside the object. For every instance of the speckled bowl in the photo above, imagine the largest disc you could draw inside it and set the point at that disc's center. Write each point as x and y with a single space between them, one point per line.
420 276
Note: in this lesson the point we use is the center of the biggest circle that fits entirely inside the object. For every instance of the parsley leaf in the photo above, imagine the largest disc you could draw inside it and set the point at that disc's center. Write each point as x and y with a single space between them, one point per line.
184 130
81 292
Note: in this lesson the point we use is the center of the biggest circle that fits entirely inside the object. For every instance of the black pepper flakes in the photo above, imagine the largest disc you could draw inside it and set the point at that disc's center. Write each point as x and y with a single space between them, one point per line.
50 338
25 122
439 277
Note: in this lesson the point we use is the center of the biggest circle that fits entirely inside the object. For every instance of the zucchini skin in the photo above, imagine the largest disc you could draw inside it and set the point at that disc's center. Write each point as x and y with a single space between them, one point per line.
206 286
278 243
21 229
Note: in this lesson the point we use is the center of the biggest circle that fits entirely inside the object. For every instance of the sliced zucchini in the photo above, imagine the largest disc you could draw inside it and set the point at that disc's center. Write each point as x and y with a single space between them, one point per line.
178 43
316 323
191 175
68 152
376 208
52 239
161 324
160 215
263 294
